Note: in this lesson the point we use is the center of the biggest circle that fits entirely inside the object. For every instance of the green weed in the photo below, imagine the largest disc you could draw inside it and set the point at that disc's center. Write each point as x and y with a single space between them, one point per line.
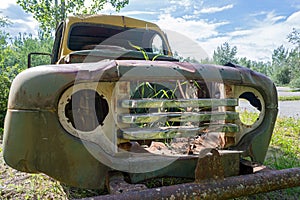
247 117
285 144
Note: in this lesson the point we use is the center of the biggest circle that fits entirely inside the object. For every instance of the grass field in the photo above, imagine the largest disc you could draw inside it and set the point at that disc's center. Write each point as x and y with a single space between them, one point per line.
284 152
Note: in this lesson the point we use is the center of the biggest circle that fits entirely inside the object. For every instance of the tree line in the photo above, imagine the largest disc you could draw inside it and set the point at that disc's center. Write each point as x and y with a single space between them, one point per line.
283 69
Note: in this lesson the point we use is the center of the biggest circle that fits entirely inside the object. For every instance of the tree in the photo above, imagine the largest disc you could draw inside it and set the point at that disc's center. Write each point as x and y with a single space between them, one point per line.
294 57
4 79
294 37
245 62
184 59
4 22
13 59
225 54
50 12
258 66
281 66
3 36
280 56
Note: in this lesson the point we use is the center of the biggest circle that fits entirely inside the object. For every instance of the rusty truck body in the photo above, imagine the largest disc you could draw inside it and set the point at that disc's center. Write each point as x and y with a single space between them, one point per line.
114 99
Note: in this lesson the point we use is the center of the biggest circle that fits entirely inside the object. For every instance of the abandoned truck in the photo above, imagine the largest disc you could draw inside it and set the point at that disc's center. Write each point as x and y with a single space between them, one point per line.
114 99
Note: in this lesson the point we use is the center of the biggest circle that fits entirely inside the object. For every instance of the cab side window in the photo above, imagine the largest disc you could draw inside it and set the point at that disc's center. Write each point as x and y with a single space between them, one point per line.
157 45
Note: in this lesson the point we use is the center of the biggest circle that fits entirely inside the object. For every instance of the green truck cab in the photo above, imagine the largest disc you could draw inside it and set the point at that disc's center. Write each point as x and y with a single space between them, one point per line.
114 98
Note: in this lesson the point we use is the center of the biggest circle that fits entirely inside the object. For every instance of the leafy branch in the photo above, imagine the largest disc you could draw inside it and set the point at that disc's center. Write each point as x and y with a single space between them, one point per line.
49 13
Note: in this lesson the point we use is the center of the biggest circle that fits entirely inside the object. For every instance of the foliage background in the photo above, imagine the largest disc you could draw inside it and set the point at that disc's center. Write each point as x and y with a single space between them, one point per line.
13 59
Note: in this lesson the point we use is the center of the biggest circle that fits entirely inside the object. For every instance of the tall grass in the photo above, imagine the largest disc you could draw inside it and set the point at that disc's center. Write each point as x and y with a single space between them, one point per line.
283 153
285 144
284 150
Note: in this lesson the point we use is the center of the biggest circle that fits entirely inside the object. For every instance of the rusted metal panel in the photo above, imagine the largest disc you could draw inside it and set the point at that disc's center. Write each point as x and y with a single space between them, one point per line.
217 164
185 166
209 167
163 70
231 187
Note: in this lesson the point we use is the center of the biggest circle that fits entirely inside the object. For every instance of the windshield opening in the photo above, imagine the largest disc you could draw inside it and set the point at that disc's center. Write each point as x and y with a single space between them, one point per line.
90 36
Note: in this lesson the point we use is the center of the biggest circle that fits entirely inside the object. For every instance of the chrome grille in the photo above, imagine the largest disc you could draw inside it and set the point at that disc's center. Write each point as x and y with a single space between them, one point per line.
156 122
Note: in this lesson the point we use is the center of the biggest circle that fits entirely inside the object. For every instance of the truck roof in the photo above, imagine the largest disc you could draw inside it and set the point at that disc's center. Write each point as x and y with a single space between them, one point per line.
115 20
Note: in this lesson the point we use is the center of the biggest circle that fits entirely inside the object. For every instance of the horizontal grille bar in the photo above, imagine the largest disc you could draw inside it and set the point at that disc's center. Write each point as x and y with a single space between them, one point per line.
168 103
174 132
177 117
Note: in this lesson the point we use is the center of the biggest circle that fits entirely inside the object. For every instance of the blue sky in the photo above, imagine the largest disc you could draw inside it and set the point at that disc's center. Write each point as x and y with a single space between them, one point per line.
256 27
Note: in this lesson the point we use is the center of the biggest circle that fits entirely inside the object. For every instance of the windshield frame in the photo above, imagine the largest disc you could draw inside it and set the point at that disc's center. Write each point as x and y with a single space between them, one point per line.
111 34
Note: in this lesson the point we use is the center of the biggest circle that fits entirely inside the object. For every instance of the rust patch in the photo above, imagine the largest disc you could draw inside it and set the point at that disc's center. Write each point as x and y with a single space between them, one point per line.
209 167
231 187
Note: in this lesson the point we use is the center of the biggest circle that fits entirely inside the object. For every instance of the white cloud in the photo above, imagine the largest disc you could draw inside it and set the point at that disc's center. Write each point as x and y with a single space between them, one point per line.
170 9
271 18
135 12
294 19
211 10
22 26
182 3
192 28
255 43
183 6
187 17
185 46
259 42
6 3
186 32
238 33
108 8
21 22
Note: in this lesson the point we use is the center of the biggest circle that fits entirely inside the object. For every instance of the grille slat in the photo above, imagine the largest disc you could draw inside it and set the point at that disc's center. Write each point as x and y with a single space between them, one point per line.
174 132
158 119
177 117
170 103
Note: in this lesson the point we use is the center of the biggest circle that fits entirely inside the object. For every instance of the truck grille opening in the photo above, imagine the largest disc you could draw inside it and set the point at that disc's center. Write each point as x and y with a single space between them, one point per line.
154 91
179 117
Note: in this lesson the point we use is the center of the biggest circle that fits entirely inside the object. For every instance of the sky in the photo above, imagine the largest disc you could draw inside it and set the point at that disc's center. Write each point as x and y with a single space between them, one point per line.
255 27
